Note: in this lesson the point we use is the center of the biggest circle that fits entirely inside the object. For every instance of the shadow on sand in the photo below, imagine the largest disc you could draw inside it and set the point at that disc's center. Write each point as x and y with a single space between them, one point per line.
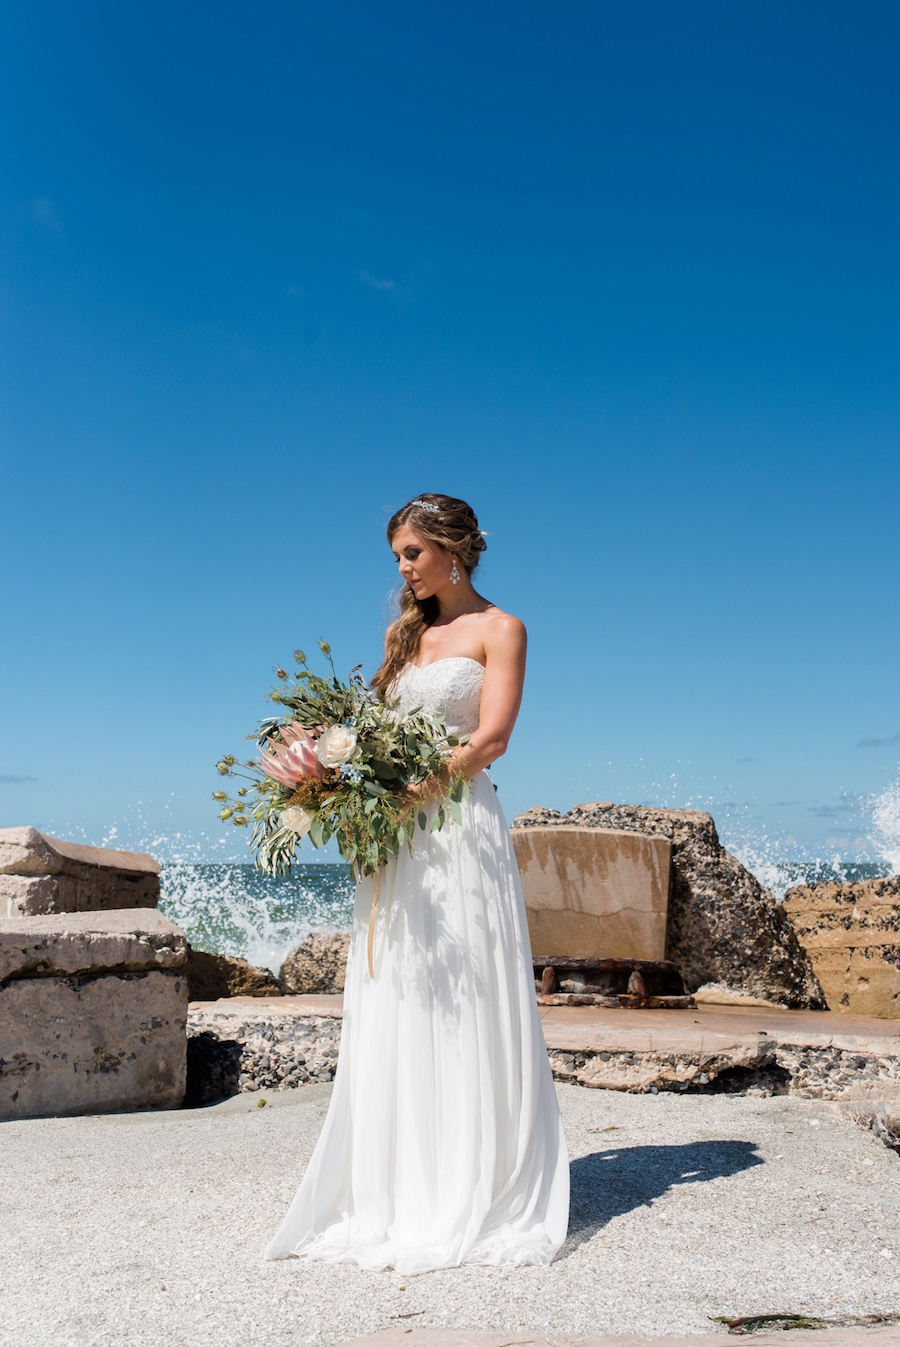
610 1183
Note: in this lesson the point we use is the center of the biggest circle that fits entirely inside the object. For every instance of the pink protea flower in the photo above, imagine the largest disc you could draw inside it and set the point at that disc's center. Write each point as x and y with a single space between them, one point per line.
292 759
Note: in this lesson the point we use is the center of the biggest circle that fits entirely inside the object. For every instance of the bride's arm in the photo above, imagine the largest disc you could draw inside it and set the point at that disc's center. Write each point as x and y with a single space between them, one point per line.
501 696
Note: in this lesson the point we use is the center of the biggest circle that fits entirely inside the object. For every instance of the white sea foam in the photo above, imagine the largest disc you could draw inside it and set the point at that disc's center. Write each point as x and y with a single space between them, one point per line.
884 810
234 909
778 861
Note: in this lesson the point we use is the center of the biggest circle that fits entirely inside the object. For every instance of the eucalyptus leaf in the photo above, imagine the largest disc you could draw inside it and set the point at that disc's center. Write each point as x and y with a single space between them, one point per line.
385 770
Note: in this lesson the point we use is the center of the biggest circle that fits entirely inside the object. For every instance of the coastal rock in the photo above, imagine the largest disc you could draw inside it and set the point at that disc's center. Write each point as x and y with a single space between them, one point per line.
852 935
41 874
724 927
317 966
93 1008
212 976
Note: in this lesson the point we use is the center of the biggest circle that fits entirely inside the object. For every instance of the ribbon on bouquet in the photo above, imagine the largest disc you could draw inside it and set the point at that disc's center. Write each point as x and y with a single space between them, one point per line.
370 942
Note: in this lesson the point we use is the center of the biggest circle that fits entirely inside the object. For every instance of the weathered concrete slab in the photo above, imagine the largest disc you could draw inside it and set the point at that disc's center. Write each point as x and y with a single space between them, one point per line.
852 935
41 874
248 1044
331 1006
93 1008
86 943
594 893
759 1051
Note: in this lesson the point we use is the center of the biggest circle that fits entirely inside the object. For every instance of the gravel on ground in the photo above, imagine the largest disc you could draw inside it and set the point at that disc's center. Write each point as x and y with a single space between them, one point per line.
149 1228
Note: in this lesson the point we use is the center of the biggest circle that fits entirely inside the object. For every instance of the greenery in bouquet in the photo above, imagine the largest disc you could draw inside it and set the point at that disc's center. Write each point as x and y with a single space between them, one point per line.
338 764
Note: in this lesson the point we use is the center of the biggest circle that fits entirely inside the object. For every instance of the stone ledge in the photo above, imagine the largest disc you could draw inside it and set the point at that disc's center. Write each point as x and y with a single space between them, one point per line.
638 1052
89 944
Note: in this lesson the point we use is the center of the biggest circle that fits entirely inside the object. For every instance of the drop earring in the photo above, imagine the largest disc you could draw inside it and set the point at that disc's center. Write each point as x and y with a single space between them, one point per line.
454 573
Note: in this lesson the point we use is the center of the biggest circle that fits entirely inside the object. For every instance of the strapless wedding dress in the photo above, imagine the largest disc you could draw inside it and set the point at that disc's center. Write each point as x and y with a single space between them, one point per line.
443 1143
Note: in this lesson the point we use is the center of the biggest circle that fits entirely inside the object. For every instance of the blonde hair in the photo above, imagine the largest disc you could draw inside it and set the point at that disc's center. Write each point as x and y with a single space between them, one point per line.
453 525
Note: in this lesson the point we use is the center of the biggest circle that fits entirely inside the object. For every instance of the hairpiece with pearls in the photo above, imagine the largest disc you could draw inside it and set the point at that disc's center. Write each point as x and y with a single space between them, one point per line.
426 505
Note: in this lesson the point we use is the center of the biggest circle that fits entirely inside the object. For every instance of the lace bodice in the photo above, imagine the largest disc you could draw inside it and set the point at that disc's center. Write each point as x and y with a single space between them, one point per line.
449 688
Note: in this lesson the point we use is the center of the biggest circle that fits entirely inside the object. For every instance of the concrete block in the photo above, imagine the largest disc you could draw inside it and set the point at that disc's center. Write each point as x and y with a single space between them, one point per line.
93 1009
41 874
593 893
85 944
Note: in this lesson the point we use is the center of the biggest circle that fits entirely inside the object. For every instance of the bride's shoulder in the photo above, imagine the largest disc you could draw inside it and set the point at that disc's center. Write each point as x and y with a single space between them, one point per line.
502 632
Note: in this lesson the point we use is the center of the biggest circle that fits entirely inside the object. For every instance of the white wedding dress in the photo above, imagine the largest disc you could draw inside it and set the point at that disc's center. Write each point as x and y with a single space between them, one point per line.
443 1143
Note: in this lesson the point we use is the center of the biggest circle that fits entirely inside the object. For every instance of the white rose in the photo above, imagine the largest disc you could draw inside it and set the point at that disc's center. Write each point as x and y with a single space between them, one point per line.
336 746
298 818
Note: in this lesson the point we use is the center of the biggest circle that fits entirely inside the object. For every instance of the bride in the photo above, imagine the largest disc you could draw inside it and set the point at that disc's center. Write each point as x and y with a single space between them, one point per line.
443 1142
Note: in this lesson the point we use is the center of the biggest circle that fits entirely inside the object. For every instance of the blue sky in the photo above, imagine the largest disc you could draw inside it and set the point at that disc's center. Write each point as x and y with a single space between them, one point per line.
625 276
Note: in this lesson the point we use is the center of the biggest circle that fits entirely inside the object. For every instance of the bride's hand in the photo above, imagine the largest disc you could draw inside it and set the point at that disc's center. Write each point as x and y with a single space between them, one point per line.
425 792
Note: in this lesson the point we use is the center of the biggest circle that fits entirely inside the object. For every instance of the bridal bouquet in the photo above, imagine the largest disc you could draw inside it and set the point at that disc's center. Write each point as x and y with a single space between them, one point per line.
336 766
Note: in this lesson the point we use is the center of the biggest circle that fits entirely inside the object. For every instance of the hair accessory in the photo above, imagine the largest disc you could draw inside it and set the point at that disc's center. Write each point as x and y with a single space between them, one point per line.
454 573
426 505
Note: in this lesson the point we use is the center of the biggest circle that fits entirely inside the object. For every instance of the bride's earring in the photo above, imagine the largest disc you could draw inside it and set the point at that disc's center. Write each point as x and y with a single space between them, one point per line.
454 573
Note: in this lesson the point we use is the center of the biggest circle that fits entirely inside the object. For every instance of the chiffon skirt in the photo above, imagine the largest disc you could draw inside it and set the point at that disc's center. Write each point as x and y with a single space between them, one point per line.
443 1143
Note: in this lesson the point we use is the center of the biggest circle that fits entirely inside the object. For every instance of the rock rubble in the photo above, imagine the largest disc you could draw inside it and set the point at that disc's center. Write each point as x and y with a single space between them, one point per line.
805 1071
234 1049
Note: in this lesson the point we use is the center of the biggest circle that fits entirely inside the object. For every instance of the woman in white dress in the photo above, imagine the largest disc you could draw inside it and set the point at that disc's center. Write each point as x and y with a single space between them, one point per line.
443 1142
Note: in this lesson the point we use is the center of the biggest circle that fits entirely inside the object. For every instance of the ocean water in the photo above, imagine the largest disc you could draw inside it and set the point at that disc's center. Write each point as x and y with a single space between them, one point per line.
237 910
233 909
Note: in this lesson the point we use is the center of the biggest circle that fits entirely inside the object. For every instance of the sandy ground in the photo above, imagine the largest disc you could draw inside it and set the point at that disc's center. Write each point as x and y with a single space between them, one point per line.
149 1228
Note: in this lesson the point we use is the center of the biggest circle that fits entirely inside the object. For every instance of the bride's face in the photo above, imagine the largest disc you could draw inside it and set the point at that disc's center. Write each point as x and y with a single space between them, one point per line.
424 565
